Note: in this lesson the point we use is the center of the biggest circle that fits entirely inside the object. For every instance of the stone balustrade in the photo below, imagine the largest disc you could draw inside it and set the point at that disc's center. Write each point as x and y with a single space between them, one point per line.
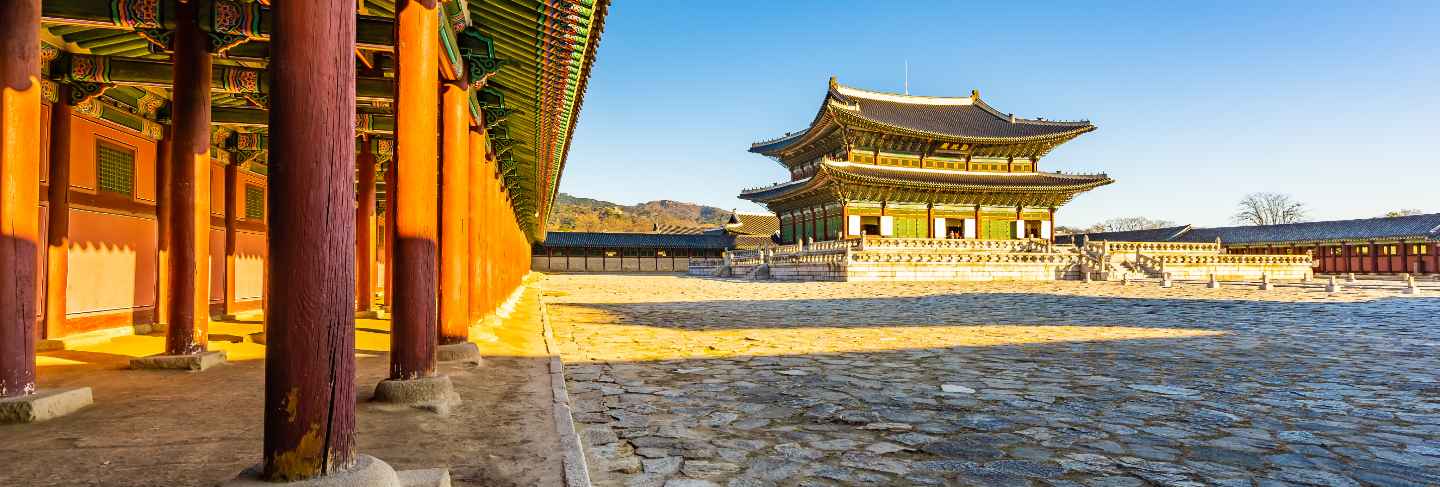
878 258
1228 259
1105 247
836 245
960 245
825 257
1227 266
976 257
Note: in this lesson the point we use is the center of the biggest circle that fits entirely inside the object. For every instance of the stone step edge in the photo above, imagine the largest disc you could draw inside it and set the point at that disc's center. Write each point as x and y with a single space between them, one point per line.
576 471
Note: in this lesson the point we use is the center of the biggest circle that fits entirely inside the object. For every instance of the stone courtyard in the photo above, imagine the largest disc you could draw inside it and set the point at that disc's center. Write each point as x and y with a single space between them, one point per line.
681 381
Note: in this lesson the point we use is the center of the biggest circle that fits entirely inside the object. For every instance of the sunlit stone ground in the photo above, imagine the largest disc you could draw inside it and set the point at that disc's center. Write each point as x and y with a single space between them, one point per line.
171 428
691 382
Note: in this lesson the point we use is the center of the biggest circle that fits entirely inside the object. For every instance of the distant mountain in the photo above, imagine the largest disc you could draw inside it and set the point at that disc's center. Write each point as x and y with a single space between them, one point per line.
575 214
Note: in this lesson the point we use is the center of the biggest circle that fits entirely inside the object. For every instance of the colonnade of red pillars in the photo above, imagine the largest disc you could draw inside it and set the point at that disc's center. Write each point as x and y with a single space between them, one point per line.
448 266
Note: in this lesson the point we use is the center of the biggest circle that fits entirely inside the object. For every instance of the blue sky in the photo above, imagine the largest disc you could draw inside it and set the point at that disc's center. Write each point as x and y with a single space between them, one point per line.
1196 105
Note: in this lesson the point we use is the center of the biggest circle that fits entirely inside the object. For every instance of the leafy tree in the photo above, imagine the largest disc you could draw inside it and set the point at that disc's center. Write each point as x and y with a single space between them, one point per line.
1270 209
1129 223
1404 212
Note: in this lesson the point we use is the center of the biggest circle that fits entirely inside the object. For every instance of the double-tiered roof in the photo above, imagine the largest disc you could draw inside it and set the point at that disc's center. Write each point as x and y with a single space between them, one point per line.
948 128
928 120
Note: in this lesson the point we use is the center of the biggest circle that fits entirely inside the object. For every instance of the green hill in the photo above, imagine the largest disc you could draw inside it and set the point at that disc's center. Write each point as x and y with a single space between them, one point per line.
575 214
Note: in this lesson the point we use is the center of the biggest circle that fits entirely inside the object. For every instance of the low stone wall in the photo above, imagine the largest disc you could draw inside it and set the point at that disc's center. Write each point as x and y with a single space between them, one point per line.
611 264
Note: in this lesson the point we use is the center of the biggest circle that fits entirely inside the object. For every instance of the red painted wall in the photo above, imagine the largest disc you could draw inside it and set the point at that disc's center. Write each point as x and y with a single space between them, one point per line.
113 253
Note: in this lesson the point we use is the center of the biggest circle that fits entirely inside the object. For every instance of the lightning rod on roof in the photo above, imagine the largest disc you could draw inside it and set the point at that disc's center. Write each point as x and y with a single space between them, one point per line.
907 76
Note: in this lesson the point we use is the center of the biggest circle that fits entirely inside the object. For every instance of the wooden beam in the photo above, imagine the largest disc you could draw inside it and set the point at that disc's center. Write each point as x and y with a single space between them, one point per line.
376 33
223 79
310 358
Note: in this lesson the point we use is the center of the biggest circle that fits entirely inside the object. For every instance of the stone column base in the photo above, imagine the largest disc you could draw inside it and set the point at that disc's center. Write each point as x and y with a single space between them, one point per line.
43 404
433 393
194 362
464 352
367 472
374 314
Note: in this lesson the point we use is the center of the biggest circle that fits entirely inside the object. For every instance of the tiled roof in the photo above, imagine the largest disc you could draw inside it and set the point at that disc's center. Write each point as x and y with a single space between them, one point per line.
637 240
754 241
1165 234
968 118
1390 228
753 224
678 229
1416 227
958 119
936 179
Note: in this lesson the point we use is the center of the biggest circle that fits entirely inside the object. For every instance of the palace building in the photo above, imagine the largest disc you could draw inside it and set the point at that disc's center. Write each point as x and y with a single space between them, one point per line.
1407 244
891 165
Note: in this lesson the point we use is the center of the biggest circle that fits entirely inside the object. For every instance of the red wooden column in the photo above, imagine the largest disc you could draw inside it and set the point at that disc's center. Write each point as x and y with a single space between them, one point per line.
190 185
476 246
365 228
310 360
19 192
232 198
417 76
57 256
1052 224
455 215
163 209
390 236
487 237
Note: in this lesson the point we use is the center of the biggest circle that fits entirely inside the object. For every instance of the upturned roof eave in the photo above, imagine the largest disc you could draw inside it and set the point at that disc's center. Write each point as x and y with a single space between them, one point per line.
851 118
830 171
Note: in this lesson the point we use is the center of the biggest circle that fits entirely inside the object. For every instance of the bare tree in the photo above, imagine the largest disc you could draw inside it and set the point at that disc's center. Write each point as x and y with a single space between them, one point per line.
1129 223
1404 212
1269 209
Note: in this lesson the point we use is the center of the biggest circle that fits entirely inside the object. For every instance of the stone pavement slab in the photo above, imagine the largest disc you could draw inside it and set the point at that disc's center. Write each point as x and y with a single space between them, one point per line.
692 381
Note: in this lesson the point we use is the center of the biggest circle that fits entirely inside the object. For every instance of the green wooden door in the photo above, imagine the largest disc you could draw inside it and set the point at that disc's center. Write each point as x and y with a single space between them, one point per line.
999 229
